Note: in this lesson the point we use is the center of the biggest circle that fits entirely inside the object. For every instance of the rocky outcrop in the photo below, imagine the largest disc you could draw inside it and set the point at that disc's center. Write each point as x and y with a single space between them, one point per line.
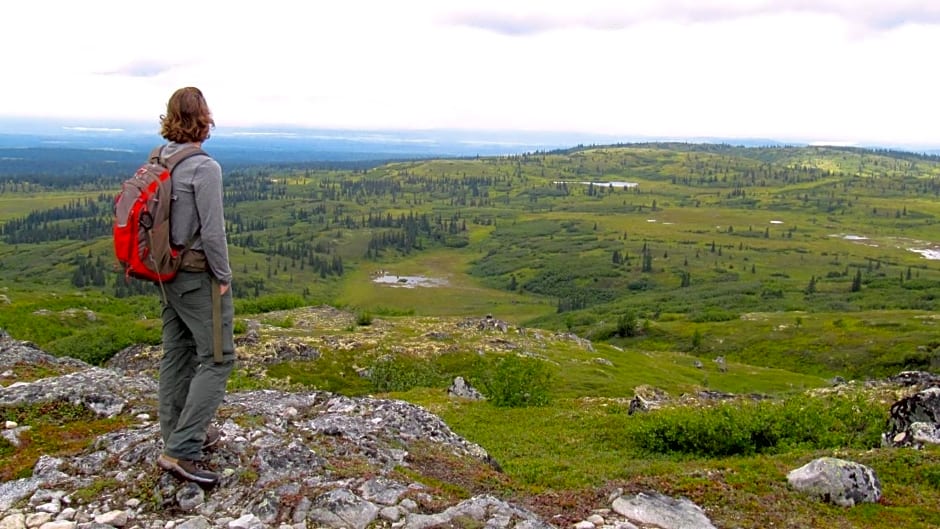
920 379
914 421
486 323
145 359
837 481
19 359
14 352
287 460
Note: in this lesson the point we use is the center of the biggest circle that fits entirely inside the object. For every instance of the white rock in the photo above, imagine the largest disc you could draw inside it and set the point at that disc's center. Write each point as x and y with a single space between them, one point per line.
392 514
9 425
248 521
82 517
59 524
625 525
596 519
584 525
13 521
37 518
52 507
116 518
67 513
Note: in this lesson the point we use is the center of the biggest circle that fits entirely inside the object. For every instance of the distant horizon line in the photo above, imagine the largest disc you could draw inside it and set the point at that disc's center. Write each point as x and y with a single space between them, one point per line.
557 139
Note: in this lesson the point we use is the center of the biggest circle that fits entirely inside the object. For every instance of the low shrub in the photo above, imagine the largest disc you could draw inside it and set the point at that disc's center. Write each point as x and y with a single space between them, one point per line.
403 373
514 381
712 315
602 332
363 319
96 345
392 311
505 380
269 303
286 322
766 427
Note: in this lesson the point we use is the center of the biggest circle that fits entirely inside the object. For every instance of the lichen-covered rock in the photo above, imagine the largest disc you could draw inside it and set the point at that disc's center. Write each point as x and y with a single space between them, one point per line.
100 390
837 481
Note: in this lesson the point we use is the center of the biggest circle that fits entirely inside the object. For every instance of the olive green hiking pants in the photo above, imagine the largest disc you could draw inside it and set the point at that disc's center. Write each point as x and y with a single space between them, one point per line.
192 384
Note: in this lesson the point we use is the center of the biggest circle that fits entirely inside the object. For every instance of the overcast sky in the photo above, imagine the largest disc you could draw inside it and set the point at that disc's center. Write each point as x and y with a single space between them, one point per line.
799 70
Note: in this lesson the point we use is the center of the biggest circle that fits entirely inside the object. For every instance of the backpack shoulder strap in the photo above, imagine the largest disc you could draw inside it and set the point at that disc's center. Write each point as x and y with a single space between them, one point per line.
187 151
156 154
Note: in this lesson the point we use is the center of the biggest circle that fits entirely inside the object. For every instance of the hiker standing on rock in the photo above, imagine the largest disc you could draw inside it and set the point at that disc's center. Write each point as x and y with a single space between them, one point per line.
198 344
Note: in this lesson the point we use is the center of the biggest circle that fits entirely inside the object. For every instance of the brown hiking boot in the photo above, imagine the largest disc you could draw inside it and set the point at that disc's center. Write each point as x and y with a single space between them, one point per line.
213 436
188 470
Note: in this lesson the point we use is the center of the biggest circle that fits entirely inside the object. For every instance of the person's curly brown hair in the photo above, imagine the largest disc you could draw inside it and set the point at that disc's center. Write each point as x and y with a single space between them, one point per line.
187 118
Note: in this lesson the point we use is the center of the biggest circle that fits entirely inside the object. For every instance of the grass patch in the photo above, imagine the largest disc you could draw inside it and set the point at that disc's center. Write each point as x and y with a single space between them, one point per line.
93 491
251 380
89 326
586 442
563 459
453 477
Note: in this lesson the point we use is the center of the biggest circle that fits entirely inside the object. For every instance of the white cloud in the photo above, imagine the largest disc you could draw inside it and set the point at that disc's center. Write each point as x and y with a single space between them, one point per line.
827 70
526 17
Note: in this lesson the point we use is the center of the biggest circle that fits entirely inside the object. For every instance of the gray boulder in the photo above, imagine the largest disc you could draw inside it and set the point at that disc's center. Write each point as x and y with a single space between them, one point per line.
461 389
836 481
653 508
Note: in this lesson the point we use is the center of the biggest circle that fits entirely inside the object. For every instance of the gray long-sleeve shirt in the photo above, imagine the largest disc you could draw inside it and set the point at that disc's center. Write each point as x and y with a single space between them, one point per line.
197 208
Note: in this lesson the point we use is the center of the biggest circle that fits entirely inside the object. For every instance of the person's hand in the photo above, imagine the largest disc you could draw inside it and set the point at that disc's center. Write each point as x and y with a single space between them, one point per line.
223 287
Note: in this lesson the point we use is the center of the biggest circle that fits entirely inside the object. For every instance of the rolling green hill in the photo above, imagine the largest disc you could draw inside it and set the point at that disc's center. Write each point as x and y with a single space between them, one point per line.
804 258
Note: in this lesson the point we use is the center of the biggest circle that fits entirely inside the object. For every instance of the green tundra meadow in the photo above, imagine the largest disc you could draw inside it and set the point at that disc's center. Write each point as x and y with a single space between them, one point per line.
791 266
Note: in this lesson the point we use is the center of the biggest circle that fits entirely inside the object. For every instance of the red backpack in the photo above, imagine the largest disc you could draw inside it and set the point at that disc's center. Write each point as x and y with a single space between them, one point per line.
142 219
